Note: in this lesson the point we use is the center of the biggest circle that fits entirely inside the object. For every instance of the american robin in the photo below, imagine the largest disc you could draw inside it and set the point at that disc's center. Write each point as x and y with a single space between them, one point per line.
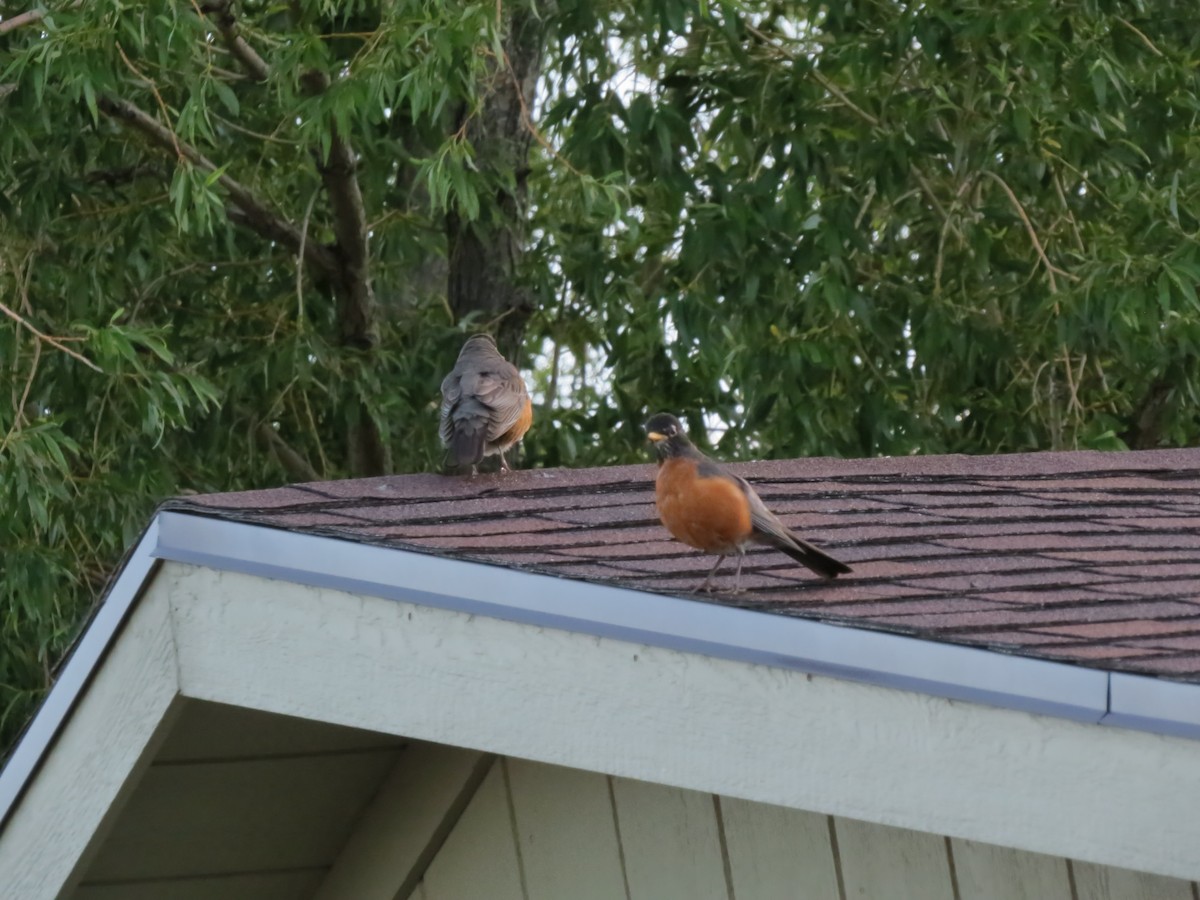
485 405
715 511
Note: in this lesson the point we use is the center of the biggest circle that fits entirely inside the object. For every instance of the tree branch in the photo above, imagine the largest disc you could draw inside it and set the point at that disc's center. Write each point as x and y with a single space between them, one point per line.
367 451
29 17
22 19
222 16
1051 269
56 343
253 213
356 297
295 464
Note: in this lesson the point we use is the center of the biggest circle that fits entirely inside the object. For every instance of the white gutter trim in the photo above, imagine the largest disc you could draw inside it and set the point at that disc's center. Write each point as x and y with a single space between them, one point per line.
77 671
1150 704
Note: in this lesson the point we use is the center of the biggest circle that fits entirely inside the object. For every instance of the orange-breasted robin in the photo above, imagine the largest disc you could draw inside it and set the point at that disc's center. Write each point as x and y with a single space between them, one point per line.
485 405
713 510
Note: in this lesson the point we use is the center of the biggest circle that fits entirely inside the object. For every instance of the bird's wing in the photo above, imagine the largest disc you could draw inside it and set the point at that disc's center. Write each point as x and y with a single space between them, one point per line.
767 528
451 395
762 520
502 390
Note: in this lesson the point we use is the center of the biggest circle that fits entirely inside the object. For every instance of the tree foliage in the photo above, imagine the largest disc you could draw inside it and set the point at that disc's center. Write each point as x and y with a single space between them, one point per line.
240 243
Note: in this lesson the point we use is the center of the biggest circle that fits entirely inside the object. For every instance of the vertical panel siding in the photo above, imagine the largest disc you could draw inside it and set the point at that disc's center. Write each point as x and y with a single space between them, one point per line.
893 863
671 841
776 853
549 833
479 859
1105 883
988 872
566 833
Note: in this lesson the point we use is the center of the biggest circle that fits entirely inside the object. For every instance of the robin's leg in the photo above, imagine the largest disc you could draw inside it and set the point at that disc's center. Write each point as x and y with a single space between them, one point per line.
707 586
504 463
737 576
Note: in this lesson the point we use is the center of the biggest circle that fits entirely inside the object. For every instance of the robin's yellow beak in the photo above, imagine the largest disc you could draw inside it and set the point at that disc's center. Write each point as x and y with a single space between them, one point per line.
656 437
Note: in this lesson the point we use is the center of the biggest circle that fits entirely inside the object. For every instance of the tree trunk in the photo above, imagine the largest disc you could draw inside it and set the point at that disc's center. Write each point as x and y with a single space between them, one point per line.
484 255
1148 418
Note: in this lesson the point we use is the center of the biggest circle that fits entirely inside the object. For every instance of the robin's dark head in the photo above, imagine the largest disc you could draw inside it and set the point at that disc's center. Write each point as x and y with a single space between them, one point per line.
667 435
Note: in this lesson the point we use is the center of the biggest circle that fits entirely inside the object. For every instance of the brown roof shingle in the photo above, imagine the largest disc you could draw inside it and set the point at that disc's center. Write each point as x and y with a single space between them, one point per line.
1079 556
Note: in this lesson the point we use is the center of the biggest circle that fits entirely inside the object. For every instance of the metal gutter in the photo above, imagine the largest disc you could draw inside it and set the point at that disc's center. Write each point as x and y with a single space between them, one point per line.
1149 704
77 671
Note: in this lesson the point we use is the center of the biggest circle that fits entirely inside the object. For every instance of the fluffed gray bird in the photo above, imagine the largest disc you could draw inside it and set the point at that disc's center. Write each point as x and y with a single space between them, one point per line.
485 405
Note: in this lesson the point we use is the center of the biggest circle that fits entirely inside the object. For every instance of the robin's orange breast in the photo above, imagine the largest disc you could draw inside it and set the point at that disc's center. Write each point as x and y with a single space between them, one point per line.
709 513
519 427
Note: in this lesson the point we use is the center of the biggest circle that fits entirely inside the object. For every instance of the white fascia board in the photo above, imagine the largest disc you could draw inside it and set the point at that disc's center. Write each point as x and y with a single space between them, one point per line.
76 672
942 670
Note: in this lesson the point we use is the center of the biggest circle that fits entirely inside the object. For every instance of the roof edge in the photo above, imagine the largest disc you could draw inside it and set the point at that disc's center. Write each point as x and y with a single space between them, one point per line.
76 672
949 671
946 670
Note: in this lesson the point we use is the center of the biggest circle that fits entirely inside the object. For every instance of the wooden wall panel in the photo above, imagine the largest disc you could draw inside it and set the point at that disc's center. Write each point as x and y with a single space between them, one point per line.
671 842
566 832
574 839
1094 882
776 853
988 872
479 860
894 863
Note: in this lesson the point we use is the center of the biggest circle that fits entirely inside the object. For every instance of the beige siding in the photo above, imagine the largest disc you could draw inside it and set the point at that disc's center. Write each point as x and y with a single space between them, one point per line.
1094 882
548 833
566 833
671 842
988 872
777 853
479 859
895 863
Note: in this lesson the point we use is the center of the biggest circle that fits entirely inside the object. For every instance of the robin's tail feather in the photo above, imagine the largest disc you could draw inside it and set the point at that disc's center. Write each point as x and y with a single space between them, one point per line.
466 444
817 560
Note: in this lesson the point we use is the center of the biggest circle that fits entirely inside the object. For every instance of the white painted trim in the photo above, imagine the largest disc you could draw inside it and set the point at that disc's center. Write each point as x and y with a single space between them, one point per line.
95 761
945 670
76 671
755 732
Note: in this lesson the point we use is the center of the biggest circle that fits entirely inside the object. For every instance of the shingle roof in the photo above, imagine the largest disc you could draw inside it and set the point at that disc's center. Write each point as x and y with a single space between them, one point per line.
1083 557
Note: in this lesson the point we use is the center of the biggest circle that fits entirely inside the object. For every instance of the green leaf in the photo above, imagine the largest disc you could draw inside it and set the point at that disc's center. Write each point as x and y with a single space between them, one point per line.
226 95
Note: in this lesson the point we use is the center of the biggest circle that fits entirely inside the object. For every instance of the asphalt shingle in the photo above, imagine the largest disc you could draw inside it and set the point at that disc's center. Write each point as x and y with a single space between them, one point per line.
1085 557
